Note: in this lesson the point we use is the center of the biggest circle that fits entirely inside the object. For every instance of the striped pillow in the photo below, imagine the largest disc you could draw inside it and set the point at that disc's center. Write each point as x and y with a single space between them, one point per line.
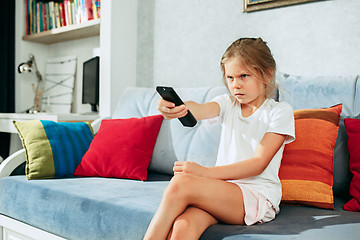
53 149
306 170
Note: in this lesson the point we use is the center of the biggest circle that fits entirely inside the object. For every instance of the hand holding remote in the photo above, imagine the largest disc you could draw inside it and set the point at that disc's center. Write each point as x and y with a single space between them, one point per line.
170 111
175 107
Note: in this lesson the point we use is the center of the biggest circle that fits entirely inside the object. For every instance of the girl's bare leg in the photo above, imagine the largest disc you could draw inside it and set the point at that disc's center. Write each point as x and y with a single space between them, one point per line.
191 224
221 199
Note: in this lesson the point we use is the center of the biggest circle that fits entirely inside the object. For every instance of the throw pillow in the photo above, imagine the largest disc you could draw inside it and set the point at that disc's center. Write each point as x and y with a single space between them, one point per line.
53 149
306 170
353 132
122 148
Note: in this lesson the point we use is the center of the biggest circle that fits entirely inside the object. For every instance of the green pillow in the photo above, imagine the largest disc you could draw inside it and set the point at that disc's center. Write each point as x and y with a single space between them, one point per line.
53 149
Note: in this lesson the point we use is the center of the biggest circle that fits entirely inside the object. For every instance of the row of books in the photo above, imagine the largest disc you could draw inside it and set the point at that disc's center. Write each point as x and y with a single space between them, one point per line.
43 15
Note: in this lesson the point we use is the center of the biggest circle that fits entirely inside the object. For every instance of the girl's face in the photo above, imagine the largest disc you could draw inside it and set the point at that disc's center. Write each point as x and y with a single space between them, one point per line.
247 87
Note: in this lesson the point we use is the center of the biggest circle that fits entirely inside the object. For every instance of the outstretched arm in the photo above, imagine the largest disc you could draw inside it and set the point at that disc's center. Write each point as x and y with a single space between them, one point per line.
199 110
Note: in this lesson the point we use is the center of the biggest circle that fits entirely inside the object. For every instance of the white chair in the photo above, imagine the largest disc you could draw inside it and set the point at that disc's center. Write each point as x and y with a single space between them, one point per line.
57 94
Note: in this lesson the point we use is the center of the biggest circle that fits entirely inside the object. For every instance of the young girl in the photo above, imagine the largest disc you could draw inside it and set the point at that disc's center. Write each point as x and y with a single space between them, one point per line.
243 187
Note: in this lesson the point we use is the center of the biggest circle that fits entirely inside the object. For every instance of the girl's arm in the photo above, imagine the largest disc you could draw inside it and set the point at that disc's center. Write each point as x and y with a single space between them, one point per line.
200 111
266 150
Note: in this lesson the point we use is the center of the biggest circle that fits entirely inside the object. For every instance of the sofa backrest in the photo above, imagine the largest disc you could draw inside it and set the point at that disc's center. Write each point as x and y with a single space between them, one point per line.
174 142
321 92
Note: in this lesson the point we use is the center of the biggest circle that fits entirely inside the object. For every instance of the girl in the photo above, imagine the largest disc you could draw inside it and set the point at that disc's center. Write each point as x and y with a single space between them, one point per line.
243 187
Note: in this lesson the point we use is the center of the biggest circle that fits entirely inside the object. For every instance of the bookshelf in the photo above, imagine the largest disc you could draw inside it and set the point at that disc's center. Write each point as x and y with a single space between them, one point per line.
71 32
53 21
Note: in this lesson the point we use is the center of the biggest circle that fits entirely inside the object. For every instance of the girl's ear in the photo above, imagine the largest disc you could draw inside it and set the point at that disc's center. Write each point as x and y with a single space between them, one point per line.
269 75
270 72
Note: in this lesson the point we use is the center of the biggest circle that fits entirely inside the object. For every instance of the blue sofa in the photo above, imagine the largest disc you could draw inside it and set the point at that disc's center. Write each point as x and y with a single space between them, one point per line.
107 208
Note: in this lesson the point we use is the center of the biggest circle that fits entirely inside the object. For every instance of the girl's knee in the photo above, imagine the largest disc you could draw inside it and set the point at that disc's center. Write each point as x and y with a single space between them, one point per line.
178 187
191 224
182 178
182 223
182 227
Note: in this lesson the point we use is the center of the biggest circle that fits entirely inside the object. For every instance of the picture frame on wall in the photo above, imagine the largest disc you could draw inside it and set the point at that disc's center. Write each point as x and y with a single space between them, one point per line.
255 5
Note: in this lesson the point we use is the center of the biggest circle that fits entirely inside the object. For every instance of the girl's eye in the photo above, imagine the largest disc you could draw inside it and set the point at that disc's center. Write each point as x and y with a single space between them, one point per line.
230 78
244 75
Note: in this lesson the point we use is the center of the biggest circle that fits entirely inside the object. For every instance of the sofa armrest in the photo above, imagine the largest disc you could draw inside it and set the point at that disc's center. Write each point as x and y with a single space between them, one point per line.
96 123
12 162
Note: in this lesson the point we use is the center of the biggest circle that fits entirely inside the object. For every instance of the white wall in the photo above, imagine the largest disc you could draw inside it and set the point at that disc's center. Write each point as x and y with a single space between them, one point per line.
82 48
118 41
189 38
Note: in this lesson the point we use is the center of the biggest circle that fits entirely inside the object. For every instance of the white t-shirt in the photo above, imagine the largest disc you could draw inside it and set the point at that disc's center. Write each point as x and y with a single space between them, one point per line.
240 137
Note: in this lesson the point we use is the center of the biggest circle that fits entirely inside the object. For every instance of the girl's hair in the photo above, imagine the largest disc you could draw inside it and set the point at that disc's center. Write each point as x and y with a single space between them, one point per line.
253 53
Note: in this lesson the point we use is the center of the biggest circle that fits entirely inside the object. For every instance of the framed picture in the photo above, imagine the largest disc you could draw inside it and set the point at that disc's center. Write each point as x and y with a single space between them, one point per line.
255 5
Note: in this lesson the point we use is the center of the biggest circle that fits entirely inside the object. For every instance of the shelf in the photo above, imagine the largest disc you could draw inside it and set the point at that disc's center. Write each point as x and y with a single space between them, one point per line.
76 31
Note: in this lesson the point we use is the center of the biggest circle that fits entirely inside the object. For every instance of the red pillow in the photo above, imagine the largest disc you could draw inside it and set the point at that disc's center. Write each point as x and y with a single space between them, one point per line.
122 148
353 132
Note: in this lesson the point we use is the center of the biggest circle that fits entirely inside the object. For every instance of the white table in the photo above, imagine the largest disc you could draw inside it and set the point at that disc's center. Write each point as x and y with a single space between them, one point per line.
6 123
6 119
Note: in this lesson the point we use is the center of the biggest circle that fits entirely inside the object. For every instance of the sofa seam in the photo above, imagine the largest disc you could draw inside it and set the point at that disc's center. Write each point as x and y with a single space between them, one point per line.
195 130
355 98
149 105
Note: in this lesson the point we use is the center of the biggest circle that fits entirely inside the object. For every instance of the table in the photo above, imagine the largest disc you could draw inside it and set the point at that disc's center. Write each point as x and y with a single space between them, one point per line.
6 123
6 119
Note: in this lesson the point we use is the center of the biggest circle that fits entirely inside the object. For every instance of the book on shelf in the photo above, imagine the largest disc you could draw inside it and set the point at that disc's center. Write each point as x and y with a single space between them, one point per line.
44 15
62 14
57 15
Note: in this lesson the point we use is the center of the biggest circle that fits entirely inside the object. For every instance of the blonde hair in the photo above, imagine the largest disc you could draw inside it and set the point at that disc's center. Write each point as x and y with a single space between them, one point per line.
254 54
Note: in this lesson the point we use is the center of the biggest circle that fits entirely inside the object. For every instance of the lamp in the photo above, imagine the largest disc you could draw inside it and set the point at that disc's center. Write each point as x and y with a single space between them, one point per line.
30 66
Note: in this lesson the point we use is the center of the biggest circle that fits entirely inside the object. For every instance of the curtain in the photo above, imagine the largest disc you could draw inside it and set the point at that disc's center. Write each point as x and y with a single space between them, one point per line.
7 67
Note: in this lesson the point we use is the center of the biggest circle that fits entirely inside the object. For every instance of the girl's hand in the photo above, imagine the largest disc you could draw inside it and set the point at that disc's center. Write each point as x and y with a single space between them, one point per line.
190 168
169 111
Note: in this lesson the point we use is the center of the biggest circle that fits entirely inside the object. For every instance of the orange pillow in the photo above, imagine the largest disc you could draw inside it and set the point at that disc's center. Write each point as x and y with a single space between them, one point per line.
306 170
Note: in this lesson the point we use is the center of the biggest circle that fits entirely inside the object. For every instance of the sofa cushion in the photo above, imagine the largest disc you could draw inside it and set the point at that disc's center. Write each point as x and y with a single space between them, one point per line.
306 170
110 209
122 148
53 149
85 208
295 223
353 132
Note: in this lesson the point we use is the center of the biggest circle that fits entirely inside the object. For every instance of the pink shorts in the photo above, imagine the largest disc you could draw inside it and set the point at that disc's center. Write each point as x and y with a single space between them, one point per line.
257 208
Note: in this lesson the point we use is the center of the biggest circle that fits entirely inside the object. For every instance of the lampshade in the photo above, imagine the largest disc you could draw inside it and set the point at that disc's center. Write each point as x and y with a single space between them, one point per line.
25 67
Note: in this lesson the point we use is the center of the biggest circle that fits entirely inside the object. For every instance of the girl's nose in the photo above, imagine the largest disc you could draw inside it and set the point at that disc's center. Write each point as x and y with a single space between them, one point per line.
237 83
